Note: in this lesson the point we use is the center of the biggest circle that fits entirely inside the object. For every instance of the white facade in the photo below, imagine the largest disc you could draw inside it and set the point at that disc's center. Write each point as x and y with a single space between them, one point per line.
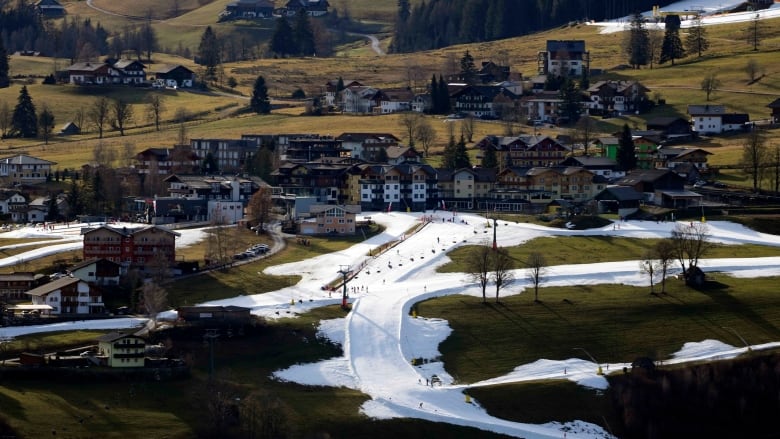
707 124
225 212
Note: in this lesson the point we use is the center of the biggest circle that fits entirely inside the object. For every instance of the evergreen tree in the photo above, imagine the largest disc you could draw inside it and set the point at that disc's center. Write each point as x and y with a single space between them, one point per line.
208 53
45 124
489 157
448 159
75 200
672 47
444 96
638 39
461 158
98 192
259 102
53 213
304 35
572 100
434 89
468 71
24 121
340 85
282 41
626 155
5 79
697 37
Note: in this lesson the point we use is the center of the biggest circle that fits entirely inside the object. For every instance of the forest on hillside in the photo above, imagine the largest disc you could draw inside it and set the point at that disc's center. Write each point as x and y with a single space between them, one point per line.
438 23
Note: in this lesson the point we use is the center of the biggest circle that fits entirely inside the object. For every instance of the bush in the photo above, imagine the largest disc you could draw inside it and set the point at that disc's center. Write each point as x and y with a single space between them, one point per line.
298 94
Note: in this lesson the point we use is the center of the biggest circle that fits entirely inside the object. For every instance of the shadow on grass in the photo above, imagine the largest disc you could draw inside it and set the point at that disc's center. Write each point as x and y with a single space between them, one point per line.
11 407
720 294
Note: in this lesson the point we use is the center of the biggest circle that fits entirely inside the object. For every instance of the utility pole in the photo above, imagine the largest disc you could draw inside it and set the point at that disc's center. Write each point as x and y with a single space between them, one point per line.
495 226
599 371
210 337
344 271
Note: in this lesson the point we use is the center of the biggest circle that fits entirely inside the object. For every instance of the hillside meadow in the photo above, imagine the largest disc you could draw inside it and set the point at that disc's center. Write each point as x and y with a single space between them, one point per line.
216 114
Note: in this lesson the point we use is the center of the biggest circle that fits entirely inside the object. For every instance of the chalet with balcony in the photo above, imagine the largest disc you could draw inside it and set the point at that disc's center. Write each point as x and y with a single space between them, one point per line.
360 99
331 220
714 119
526 150
97 271
25 169
542 106
479 100
137 247
661 187
247 9
128 71
166 161
564 58
358 144
215 316
314 8
681 160
602 166
395 100
119 349
404 187
672 128
774 106
13 286
68 296
124 71
309 149
332 91
610 97
173 75
49 8
228 155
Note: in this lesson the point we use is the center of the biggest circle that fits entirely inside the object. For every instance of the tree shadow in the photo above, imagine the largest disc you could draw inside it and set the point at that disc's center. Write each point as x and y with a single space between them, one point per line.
719 293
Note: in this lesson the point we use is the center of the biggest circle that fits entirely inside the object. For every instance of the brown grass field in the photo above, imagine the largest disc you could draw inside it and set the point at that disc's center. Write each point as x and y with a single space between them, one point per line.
679 85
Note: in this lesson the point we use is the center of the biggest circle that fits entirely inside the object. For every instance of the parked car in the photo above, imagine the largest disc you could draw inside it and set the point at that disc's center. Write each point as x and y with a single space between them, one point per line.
719 185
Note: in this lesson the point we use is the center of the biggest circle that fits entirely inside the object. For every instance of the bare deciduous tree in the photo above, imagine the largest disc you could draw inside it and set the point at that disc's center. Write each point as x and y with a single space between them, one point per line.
103 156
409 121
263 416
537 267
467 127
502 270
584 131
79 118
155 105
755 156
690 243
6 120
426 135
155 299
664 251
121 115
650 266
752 68
710 83
479 264
259 207
99 114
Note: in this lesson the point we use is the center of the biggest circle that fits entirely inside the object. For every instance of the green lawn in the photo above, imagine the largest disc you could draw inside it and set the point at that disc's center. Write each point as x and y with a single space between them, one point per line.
592 249
615 323
178 409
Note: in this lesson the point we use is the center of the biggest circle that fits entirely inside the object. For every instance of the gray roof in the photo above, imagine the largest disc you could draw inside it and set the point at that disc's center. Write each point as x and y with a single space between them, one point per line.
24 159
703 110
114 336
317 208
53 285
